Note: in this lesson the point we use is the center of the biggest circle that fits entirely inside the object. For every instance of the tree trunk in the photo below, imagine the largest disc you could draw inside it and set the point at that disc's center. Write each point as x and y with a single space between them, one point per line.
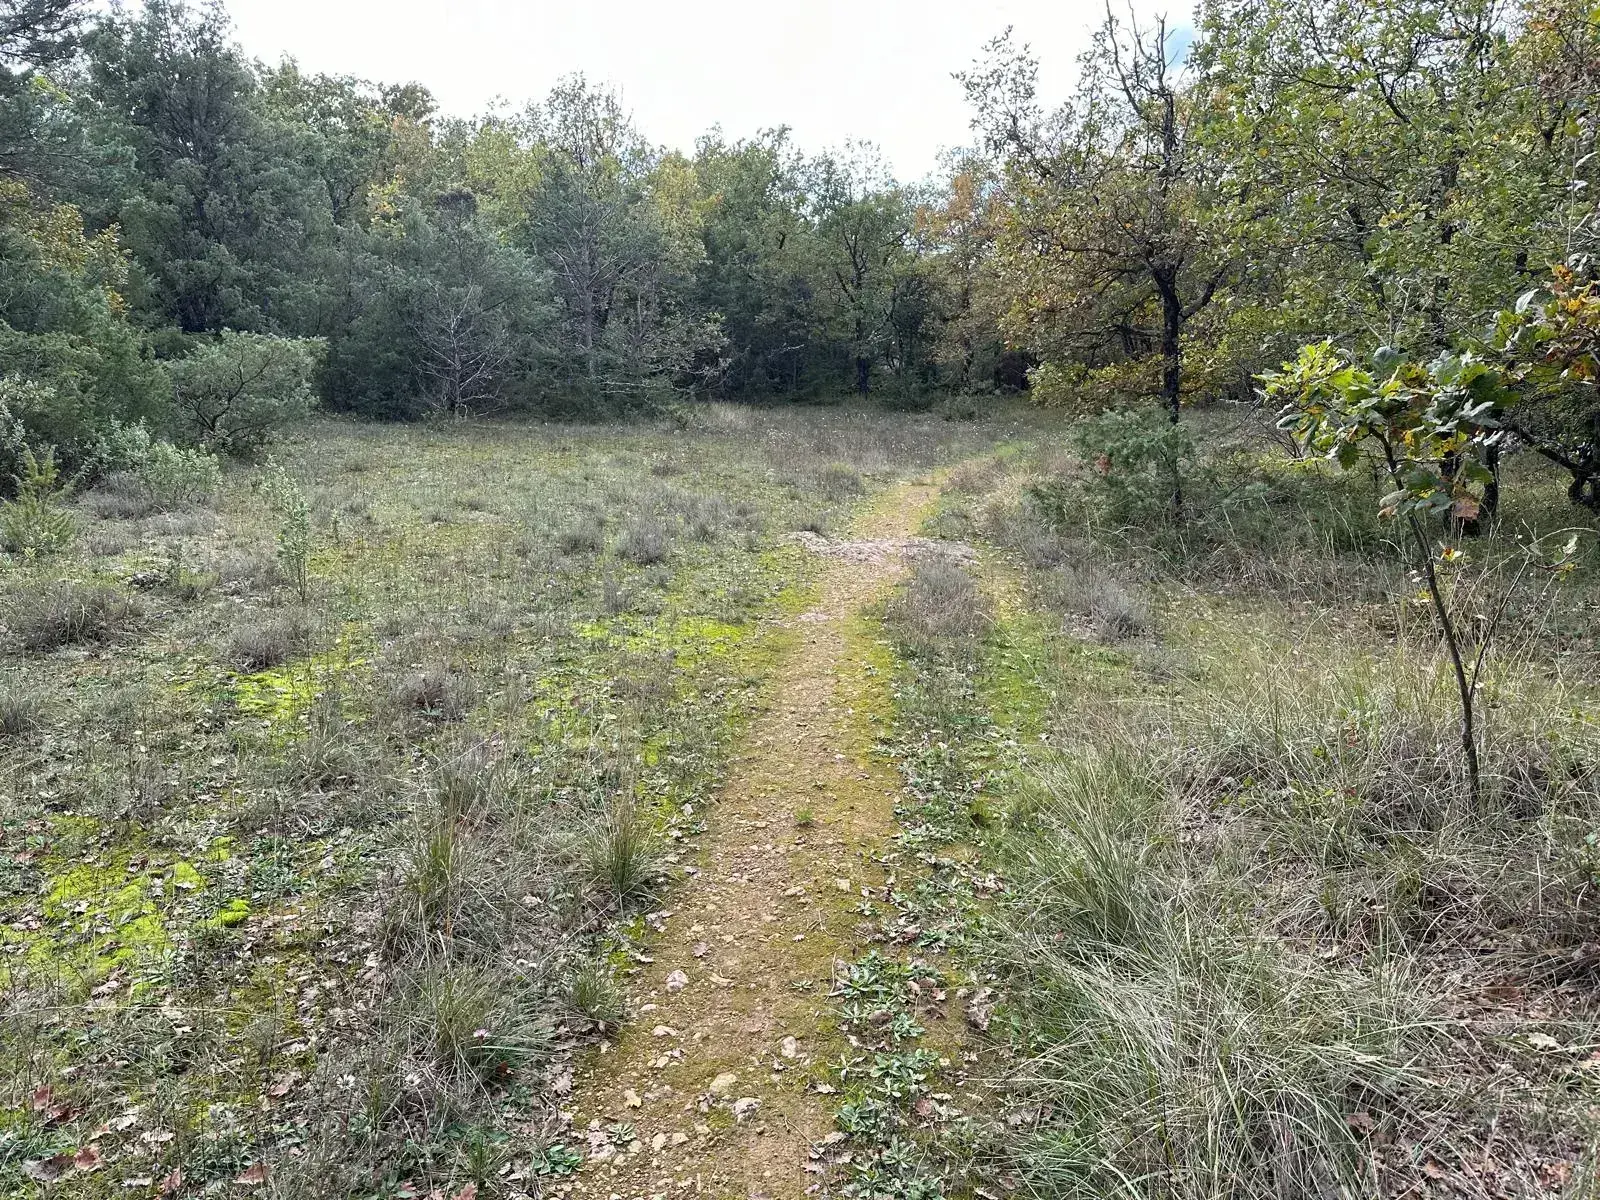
1172 376
1171 353
863 374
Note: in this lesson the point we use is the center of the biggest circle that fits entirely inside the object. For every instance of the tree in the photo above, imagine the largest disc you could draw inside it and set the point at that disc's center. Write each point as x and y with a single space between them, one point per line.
233 393
1117 234
1549 344
223 215
37 34
1409 168
862 253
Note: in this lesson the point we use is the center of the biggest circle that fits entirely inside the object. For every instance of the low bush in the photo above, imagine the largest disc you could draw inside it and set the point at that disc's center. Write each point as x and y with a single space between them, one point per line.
271 643
64 614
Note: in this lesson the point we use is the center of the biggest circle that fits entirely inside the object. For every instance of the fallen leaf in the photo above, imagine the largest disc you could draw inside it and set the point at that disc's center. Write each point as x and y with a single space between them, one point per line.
172 1183
468 1191
88 1158
47 1170
700 950
253 1175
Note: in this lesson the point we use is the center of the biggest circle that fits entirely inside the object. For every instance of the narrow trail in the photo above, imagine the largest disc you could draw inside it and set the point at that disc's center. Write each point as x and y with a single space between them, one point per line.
716 1071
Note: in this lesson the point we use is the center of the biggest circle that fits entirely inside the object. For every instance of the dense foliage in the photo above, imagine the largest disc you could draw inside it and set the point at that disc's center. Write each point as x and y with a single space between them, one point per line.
1209 200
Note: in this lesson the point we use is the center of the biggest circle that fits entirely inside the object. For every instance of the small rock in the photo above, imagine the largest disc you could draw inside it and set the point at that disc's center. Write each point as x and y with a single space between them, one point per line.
723 1083
631 1099
790 1047
842 884
744 1107
679 1139
677 981
658 1143
700 950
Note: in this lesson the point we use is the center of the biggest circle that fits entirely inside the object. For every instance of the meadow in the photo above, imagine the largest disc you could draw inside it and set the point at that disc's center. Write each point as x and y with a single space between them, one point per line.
350 816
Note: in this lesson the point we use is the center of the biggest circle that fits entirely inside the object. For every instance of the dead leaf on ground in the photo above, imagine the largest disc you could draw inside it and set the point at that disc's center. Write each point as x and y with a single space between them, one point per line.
253 1175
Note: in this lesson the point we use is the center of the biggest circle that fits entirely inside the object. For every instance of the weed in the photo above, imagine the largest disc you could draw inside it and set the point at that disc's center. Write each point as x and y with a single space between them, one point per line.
66 614
20 710
595 996
619 852
584 536
941 604
644 541
272 643
434 691
840 481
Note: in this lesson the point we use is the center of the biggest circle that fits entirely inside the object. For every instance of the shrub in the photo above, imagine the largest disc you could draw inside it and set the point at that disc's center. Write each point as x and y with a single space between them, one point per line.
69 614
1138 459
289 505
233 394
175 477
36 523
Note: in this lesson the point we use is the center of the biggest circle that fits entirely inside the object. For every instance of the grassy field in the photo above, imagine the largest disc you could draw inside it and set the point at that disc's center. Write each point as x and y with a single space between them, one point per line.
340 816
1188 802
330 809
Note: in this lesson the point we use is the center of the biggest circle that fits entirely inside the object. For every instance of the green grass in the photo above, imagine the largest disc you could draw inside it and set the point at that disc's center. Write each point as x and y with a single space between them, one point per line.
1252 937
273 862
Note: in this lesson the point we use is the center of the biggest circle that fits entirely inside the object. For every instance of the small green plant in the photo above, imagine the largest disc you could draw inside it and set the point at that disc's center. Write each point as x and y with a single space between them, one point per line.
804 817
595 995
558 1159
176 477
288 503
619 852
36 522
1434 431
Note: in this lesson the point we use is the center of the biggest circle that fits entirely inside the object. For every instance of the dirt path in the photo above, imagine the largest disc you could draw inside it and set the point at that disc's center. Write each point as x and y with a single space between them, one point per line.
716 1073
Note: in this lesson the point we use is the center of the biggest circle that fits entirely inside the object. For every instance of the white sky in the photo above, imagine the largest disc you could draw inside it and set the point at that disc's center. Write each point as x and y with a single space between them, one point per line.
877 70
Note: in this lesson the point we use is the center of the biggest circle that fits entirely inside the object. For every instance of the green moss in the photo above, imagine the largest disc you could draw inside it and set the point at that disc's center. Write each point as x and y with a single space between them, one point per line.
234 912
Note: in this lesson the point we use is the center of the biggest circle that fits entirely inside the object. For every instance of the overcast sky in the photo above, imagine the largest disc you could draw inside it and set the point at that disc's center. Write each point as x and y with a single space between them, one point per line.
878 70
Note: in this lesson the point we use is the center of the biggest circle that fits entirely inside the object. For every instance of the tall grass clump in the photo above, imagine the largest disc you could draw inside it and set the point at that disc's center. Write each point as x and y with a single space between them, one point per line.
1180 1051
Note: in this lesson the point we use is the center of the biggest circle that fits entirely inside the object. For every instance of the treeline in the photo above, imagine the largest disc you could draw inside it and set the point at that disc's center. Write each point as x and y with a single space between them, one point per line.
1293 171
158 189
